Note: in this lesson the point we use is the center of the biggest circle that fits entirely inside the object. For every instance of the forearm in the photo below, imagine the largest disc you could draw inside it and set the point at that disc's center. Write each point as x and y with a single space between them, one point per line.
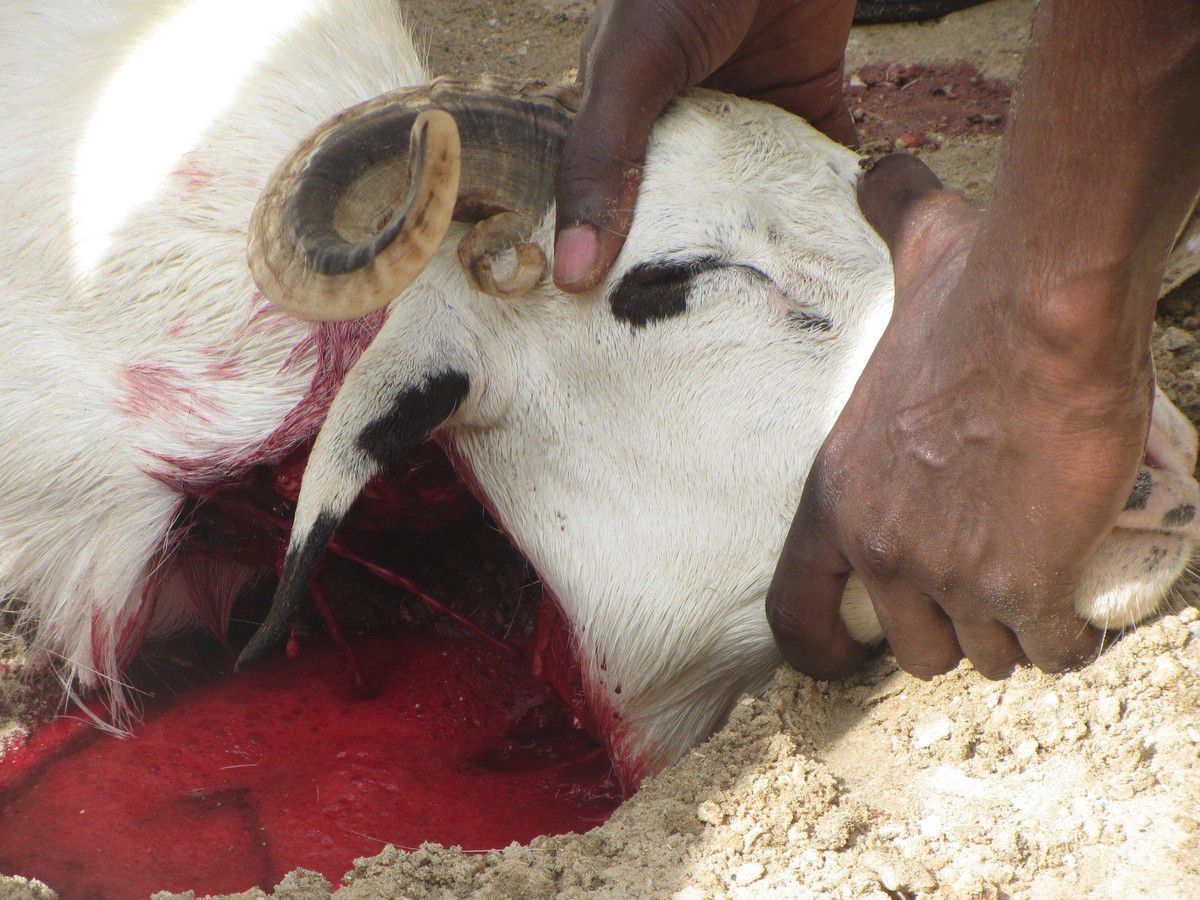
1101 165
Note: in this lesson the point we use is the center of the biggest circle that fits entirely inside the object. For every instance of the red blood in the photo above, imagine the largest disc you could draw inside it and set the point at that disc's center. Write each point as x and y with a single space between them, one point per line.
556 664
424 494
336 747
242 778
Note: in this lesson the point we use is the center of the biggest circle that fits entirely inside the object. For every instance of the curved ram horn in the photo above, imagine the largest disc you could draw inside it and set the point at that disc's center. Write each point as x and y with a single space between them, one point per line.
328 240
480 247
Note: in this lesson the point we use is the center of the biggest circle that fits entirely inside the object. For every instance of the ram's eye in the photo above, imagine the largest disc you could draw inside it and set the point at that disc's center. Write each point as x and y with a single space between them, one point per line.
658 289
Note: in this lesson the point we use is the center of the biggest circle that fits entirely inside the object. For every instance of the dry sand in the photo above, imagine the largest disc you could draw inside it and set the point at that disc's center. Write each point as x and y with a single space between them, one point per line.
884 786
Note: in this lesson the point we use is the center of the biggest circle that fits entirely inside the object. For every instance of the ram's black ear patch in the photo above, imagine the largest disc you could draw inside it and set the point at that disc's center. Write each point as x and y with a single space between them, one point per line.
415 412
657 290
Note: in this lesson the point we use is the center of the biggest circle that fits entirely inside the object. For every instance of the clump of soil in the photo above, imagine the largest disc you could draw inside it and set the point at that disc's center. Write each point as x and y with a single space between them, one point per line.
25 697
1176 350
18 888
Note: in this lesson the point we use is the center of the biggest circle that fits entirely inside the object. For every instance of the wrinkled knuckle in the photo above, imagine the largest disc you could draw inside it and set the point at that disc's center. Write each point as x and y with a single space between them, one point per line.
779 610
585 171
880 552
1005 592
689 35
945 582
833 475
596 186
784 612
819 507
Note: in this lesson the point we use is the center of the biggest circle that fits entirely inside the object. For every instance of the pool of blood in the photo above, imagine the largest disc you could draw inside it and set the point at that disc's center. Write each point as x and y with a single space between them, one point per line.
233 779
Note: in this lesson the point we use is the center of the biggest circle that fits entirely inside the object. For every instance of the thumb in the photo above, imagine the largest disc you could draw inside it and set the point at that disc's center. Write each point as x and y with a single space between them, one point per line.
597 186
631 73
804 602
918 219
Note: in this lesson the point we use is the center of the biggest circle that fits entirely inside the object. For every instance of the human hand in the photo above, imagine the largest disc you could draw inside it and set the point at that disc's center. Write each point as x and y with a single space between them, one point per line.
638 54
973 471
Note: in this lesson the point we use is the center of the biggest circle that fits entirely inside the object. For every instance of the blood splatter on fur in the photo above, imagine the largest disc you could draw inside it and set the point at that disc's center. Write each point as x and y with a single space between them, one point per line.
159 390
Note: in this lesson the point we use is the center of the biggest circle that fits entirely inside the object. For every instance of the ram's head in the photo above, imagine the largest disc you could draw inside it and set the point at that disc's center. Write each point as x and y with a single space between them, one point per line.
644 445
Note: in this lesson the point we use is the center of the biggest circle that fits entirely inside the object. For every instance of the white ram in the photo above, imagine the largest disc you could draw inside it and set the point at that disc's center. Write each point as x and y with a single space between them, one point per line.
644 445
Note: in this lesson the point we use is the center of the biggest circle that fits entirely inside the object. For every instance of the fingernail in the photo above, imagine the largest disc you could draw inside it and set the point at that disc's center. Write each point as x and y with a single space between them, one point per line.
575 254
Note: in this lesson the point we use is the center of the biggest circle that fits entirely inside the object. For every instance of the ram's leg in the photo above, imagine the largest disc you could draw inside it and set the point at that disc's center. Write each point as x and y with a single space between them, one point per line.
414 378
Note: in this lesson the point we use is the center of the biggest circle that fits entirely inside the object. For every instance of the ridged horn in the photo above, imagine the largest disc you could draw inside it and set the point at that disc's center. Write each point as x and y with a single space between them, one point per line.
352 217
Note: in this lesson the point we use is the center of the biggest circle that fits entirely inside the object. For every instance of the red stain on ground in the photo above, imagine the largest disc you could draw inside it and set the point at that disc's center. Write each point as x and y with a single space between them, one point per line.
912 105
239 779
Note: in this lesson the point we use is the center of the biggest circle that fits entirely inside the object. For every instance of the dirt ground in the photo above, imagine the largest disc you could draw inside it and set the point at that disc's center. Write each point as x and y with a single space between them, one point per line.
884 786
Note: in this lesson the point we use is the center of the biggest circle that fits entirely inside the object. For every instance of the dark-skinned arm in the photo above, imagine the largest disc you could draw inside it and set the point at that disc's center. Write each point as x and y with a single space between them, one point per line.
1007 405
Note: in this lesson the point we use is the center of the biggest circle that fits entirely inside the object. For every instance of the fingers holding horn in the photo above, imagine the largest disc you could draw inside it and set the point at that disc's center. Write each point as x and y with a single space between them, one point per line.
308 268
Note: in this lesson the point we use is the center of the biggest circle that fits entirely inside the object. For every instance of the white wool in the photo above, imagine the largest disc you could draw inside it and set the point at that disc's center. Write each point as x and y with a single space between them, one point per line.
138 137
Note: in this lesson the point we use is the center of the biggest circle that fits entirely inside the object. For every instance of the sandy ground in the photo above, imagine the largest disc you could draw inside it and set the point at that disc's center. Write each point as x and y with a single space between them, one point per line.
885 786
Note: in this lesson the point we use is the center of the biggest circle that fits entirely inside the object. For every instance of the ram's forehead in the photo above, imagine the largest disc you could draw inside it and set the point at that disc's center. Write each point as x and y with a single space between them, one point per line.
727 176
745 144
743 186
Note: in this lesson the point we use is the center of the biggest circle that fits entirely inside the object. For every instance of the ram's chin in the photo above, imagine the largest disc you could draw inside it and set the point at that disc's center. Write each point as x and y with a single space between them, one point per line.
1130 578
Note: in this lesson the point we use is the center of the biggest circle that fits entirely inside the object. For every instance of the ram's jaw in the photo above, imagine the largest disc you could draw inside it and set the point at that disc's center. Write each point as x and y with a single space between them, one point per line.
650 710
